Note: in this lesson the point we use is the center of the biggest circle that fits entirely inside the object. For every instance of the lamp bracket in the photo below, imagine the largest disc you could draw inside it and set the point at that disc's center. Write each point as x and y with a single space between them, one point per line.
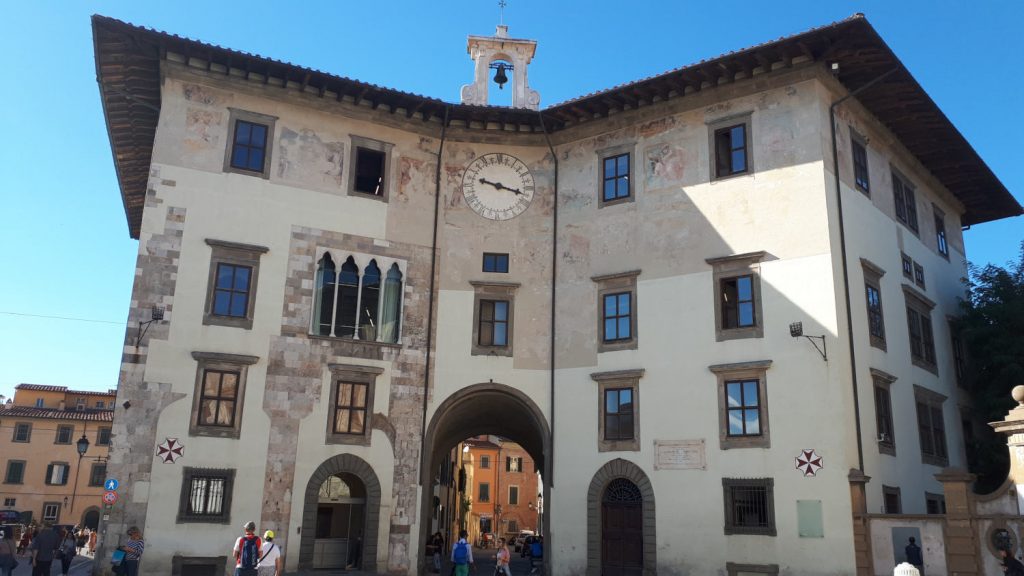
822 350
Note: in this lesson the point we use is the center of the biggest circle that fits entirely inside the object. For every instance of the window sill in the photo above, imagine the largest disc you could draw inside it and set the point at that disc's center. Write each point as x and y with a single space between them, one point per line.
616 345
355 341
724 334
228 321
925 365
887 448
934 460
264 174
879 343
731 176
632 445
215 432
740 442
349 439
368 196
615 201
202 520
504 351
736 530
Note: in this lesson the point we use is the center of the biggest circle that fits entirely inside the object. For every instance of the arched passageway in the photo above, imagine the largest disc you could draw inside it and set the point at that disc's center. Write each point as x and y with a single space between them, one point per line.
341 515
621 539
488 408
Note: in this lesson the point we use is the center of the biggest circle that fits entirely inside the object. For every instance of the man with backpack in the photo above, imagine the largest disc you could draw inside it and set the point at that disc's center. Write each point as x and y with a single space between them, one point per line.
248 550
462 555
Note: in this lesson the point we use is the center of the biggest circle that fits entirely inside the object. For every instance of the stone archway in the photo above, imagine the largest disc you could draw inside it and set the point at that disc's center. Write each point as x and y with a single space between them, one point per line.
613 470
342 463
91 518
487 408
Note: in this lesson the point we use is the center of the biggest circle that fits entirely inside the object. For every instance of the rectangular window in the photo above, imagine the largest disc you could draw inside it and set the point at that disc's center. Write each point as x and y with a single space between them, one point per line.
218 397
513 495
731 150
51 512
935 503
485 524
940 233
485 462
22 432
493 323
206 495
249 146
15 472
922 343
369 169
64 434
876 324
744 408
57 474
495 262
617 317
908 266
618 414
97 474
103 437
860 165
10 502
749 506
891 500
931 428
737 297
959 361
615 170
513 527
919 275
350 408
883 417
39 403
484 494
231 292
513 464
99 404
906 204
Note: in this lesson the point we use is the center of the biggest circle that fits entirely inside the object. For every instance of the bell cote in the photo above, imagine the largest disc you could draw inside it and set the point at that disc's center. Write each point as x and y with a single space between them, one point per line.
506 57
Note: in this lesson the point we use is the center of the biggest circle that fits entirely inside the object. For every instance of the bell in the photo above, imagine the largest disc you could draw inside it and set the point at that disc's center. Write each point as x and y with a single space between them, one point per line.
500 77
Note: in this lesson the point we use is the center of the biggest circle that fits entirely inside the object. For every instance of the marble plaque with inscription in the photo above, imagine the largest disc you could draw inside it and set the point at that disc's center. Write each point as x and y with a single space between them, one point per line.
679 455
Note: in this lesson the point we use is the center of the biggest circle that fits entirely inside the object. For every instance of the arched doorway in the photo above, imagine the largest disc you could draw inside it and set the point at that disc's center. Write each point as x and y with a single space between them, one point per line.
341 516
622 536
91 519
482 409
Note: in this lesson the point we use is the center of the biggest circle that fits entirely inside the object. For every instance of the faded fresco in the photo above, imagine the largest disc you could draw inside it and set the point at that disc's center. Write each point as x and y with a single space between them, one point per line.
664 165
202 129
304 157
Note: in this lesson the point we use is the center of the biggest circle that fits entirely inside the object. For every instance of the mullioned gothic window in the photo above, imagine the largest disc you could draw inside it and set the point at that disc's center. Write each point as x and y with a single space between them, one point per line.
357 300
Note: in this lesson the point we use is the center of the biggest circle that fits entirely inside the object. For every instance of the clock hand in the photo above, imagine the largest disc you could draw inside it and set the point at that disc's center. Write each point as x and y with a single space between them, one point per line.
495 185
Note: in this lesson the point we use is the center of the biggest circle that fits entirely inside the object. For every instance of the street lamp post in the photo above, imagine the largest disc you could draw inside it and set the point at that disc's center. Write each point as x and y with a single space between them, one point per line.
82 446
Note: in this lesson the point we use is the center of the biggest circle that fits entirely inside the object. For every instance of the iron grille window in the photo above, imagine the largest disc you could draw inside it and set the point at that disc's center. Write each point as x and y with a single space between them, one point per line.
940 235
493 323
494 262
15 472
906 204
350 408
618 317
618 414
731 150
749 506
616 177
932 431
206 495
737 296
370 171
64 435
103 437
231 292
860 166
922 343
484 494
22 432
876 325
97 474
250 146
621 490
218 398
883 416
743 404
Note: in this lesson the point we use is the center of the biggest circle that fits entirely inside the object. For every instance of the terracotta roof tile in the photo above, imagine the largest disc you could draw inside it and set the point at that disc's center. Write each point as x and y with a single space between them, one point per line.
90 415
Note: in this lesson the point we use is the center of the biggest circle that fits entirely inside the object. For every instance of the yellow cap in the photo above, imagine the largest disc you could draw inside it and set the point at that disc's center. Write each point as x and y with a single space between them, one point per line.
268 534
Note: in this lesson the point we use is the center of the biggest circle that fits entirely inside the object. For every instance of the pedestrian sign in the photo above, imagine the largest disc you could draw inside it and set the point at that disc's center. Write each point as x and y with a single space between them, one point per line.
109 497
111 485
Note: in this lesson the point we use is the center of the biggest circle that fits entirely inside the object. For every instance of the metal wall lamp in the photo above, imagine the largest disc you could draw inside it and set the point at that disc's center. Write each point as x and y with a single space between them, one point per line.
156 315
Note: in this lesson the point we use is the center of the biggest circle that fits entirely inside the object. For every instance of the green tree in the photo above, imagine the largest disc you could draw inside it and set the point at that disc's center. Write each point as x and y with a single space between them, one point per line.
991 329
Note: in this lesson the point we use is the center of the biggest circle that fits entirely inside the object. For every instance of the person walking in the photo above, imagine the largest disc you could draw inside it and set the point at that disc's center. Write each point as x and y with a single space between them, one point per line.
26 539
92 543
462 555
42 549
913 554
133 550
437 549
68 551
503 558
8 553
536 553
247 551
270 556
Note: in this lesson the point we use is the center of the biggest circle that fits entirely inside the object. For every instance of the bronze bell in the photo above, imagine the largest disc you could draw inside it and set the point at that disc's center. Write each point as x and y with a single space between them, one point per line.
500 77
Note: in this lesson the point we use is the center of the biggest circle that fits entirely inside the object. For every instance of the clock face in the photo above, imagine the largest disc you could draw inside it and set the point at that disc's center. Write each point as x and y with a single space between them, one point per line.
498 186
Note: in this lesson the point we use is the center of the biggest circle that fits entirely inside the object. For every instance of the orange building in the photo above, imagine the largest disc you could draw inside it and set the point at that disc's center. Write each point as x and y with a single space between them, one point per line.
43 475
504 488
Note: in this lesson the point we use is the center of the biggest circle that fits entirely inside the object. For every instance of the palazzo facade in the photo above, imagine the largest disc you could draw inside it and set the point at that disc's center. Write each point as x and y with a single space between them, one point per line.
345 281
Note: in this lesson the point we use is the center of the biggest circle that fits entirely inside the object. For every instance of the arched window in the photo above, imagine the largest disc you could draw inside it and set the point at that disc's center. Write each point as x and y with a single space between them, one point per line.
323 300
390 314
348 299
369 302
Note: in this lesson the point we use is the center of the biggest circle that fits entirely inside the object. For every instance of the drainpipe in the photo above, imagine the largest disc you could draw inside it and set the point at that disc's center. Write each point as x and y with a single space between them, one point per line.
554 282
846 271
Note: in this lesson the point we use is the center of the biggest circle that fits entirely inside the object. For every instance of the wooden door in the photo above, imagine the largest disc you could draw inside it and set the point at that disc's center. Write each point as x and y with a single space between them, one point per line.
622 540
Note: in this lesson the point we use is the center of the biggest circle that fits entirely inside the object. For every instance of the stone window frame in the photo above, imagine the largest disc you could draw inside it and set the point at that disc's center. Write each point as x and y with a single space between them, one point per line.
64 428
735 569
719 124
858 140
22 426
932 401
605 475
939 499
358 374
189 473
219 361
100 440
235 254
726 267
883 380
496 258
922 306
941 237
236 114
7 472
493 290
93 476
907 266
873 278
617 283
608 152
725 373
730 527
892 491
617 379
179 563
386 148
56 516
361 260
906 197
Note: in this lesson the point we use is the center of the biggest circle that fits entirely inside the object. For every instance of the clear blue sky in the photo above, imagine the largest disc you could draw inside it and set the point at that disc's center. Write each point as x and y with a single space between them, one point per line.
64 245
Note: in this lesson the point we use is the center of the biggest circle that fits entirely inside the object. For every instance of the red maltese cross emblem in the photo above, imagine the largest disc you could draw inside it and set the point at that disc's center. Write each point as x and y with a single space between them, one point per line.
809 462
170 450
